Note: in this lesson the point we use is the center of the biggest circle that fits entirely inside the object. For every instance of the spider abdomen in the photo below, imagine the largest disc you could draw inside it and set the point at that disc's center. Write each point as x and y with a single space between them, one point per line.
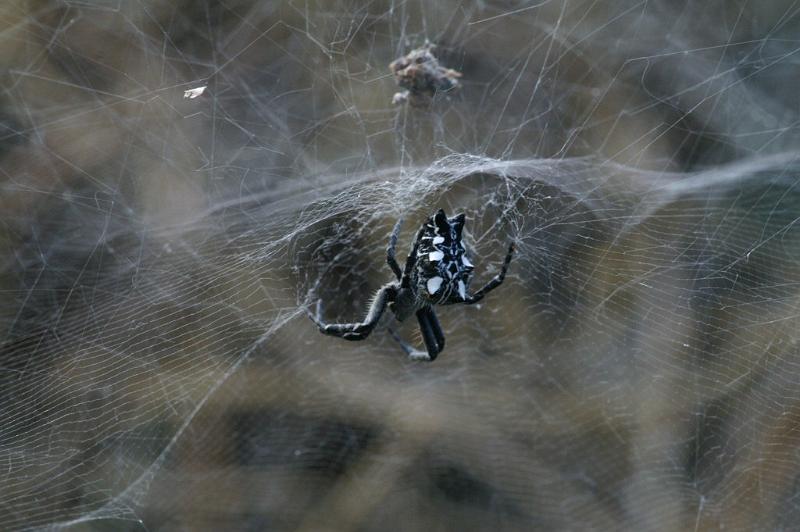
442 272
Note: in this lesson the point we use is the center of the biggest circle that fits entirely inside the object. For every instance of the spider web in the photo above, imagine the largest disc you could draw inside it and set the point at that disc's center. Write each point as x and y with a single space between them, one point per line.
638 369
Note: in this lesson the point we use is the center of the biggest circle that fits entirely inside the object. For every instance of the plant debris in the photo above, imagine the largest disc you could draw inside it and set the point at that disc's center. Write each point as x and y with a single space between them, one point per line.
421 75
194 93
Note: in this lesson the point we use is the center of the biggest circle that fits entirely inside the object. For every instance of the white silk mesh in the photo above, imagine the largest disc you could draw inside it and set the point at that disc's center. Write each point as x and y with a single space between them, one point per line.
638 369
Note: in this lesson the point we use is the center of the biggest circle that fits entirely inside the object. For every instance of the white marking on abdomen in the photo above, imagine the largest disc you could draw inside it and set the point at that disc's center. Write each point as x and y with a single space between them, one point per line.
433 285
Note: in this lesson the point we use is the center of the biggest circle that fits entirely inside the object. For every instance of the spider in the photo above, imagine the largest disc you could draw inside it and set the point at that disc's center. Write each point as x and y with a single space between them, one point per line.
437 272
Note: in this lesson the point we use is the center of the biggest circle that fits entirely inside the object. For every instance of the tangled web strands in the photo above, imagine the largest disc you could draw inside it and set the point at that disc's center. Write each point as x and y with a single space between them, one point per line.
649 321
637 370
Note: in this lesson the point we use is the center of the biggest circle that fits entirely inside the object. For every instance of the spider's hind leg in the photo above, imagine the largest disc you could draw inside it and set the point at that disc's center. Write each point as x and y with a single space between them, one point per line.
407 348
432 335
435 327
429 334
412 352
357 331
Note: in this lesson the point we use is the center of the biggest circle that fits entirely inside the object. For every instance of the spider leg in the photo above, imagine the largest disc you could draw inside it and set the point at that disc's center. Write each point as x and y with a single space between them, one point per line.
411 260
435 326
428 336
407 348
495 282
357 331
390 250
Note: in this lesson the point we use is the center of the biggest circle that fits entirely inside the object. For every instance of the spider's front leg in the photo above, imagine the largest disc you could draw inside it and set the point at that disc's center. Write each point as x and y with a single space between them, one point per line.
495 282
390 250
357 331
411 260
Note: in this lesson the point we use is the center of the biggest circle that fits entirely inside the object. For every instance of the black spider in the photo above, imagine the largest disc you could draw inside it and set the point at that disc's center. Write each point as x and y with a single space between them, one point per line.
437 272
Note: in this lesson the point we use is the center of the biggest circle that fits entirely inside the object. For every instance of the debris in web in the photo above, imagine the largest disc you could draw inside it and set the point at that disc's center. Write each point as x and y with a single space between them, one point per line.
194 93
421 75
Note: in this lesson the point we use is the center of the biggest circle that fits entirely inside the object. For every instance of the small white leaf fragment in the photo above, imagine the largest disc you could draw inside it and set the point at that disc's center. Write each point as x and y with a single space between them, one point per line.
435 255
466 261
438 240
462 290
194 93
434 283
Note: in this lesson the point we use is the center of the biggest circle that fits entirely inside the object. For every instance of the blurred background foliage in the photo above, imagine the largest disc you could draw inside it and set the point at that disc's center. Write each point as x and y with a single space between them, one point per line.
638 370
